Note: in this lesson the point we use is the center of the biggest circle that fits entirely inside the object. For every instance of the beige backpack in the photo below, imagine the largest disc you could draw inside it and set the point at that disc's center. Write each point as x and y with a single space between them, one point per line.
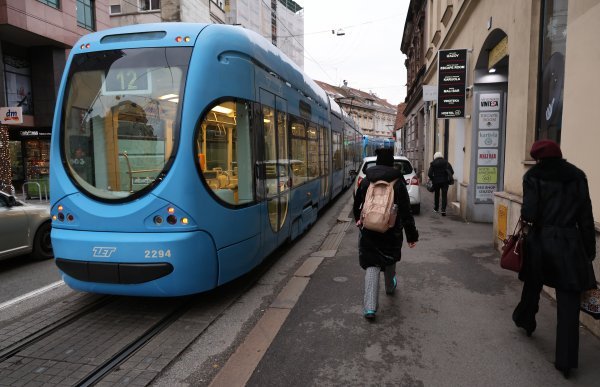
379 211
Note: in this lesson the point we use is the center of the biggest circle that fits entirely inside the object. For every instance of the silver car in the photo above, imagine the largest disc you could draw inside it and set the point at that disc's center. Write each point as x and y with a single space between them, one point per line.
24 228
412 181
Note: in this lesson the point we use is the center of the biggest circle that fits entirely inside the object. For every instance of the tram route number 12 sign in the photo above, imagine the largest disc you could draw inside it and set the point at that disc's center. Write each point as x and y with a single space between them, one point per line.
452 77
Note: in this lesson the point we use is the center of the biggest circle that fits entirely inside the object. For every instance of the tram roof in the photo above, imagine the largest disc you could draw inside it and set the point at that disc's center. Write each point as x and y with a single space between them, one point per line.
233 38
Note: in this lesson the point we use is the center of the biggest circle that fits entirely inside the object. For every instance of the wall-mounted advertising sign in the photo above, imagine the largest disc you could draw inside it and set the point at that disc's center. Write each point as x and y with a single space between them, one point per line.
11 115
452 78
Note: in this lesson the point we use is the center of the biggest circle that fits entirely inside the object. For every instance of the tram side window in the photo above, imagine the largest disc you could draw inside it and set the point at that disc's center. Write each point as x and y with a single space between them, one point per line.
299 159
313 153
224 150
323 150
337 151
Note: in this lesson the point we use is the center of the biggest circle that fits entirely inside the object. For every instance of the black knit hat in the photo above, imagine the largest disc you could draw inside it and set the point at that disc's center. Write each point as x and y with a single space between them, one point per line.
385 156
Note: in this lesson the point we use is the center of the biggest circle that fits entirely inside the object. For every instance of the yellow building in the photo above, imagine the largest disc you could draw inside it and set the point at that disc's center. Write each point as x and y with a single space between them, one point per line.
530 74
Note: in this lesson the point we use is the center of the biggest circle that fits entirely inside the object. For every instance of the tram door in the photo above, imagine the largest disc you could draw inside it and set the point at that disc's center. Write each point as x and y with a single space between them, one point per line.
277 169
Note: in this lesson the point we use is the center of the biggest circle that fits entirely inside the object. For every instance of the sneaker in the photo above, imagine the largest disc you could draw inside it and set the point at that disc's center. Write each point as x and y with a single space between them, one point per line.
436 211
443 213
391 291
369 314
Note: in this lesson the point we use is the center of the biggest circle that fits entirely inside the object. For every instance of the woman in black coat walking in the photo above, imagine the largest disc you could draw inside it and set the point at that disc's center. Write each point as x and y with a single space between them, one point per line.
380 251
440 173
560 246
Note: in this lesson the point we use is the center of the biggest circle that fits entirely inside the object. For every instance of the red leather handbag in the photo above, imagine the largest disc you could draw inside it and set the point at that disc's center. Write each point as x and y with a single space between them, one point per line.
513 249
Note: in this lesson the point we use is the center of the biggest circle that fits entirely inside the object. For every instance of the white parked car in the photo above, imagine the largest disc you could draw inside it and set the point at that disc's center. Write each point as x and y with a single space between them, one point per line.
412 181
24 228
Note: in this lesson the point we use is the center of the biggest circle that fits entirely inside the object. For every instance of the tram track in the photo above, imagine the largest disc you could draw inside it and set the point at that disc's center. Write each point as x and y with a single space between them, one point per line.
29 340
106 338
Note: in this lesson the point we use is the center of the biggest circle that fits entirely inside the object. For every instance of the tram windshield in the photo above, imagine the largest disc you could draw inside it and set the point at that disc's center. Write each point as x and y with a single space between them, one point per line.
120 118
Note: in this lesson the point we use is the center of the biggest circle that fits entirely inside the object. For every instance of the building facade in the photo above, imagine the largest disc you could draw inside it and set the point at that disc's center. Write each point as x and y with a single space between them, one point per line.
530 69
374 116
127 12
279 21
34 38
413 131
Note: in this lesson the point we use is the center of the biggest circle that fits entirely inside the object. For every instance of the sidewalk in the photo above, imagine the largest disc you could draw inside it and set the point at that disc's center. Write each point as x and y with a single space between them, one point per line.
449 323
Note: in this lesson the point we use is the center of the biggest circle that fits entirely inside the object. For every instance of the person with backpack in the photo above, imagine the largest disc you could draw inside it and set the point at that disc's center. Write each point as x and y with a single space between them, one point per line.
381 210
441 175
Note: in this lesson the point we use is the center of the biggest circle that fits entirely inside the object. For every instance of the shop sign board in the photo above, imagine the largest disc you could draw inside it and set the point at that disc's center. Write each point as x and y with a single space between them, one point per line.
489 120
489 102
452 78
487 156
487 175
484 193
11 115
488 138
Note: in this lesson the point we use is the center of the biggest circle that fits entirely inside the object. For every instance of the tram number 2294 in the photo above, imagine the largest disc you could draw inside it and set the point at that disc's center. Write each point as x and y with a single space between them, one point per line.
157 253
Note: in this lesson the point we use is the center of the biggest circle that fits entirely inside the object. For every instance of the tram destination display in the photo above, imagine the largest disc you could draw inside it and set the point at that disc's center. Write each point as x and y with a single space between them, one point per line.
452 75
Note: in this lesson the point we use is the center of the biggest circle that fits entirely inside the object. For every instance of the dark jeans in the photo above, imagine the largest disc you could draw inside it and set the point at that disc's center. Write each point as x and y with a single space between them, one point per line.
436 196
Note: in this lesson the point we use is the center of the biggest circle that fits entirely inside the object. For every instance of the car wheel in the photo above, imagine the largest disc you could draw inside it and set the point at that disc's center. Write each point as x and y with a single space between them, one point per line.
42 245
416 209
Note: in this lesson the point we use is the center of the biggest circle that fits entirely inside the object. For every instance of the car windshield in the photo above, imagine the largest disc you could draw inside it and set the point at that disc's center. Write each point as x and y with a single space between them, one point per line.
403 165
120 118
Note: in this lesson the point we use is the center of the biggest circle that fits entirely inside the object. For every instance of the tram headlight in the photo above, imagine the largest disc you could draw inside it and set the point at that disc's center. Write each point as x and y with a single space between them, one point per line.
61 216
172 219
158 219
184 220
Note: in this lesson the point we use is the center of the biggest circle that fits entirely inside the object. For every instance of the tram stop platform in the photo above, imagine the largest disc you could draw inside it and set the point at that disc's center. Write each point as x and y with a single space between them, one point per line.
448 323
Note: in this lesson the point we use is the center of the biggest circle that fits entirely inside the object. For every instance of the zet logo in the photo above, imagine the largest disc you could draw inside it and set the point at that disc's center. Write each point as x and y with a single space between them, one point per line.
103 252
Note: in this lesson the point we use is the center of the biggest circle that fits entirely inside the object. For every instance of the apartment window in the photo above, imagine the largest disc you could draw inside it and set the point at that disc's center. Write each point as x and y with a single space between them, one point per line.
149 5
85 14
115 9
51 3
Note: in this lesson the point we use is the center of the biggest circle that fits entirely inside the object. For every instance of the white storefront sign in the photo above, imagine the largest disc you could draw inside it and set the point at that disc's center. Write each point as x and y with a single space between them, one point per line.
485 192
488 138
487 157
489 120
489 102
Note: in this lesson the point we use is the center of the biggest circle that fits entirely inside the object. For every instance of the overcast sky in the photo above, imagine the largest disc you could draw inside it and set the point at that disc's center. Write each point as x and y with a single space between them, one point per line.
368 55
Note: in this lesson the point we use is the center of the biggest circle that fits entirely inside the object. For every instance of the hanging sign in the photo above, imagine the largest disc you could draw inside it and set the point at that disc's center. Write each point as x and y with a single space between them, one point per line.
452 78
11 115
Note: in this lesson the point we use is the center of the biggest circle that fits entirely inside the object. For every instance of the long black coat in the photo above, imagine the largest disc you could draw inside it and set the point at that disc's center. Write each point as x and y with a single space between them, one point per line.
378 249
438 171
561 243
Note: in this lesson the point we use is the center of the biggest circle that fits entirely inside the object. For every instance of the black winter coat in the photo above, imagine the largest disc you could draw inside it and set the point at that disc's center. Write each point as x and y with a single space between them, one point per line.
561 243
381 249
438 171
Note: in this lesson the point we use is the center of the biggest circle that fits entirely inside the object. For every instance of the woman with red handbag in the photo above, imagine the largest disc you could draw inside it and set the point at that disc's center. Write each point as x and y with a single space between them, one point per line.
560 248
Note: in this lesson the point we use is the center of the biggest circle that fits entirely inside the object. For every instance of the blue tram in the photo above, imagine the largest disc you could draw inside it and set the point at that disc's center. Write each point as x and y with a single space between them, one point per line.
184 154
370 143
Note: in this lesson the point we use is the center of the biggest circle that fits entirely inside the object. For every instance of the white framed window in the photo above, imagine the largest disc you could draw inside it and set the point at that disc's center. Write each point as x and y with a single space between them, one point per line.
149 5
114 9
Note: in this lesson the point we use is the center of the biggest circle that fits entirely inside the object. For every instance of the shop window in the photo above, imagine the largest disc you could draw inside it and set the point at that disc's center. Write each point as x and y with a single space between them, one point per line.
553 42
17 73
224 149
